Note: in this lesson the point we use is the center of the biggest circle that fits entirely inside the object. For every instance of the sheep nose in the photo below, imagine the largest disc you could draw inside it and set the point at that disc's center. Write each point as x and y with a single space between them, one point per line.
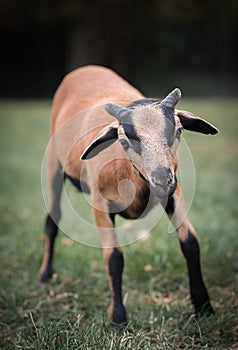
162 177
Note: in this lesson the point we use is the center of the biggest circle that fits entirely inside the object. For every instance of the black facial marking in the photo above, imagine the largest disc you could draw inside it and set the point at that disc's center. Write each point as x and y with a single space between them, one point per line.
131 132
169 131
133 137
169 113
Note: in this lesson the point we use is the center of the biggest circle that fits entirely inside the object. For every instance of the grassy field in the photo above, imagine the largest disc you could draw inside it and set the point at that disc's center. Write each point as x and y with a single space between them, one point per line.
70 312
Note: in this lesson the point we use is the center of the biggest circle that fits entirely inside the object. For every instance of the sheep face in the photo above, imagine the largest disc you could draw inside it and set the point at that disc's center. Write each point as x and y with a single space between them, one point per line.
150 141
149 134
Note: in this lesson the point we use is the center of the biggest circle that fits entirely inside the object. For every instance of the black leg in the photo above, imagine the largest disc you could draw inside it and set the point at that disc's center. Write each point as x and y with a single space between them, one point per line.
176 210
114 263
198 291
51 224
118 312
51 230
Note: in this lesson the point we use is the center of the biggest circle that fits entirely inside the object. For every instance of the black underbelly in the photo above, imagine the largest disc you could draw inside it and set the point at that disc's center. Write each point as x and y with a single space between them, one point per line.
140 206
80 185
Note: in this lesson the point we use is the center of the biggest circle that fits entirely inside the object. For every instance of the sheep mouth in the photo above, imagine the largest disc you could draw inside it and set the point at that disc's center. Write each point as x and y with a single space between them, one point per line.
163 192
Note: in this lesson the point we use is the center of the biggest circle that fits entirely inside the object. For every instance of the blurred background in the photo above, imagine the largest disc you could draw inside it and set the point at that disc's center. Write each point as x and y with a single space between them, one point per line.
155 44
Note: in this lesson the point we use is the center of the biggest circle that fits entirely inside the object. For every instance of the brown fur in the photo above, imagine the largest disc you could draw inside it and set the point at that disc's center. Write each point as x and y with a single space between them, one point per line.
77 117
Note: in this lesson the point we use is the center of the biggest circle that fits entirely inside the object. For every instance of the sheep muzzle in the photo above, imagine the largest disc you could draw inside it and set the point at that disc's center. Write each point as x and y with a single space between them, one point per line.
162 182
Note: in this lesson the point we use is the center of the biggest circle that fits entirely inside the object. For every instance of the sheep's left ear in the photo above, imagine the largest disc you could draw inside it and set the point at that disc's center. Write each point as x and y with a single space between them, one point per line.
192 122
104 139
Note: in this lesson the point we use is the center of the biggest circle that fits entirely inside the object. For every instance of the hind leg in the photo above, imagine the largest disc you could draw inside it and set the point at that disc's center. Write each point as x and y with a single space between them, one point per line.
55 180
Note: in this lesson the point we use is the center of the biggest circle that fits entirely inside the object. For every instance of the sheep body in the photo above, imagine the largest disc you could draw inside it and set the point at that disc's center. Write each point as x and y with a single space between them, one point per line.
127 177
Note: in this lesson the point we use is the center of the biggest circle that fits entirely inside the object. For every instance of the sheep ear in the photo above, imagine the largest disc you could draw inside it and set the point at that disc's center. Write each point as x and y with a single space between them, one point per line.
107 136
192 122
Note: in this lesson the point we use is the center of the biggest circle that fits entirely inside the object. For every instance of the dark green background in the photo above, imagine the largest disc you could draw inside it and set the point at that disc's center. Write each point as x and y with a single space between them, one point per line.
156 44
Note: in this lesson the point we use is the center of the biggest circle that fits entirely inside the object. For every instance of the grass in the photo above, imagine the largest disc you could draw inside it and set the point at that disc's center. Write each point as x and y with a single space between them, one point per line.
70 312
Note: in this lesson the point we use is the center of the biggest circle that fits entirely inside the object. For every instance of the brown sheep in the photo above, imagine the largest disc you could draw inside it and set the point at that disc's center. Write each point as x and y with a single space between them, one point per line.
98 144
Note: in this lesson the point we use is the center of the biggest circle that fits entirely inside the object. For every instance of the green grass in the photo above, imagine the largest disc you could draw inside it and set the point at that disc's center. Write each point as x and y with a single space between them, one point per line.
70 312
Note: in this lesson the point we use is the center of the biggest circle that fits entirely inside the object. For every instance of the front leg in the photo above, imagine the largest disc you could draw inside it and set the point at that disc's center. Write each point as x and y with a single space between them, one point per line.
114 263
177 213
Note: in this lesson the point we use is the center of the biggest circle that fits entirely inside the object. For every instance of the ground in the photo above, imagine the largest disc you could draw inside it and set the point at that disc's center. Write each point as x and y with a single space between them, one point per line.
70 312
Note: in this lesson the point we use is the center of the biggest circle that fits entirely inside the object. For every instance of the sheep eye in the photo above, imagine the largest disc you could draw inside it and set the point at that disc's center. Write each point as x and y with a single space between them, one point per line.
178 133
124 142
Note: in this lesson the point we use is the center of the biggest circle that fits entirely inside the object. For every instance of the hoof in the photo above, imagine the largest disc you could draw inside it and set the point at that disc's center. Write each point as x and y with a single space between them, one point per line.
45 276
205 310
118 327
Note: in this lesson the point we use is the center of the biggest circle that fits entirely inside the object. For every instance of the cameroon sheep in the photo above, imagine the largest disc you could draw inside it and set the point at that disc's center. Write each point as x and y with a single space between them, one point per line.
97 145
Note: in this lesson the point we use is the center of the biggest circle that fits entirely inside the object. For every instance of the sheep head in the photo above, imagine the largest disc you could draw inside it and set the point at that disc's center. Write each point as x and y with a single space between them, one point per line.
150 135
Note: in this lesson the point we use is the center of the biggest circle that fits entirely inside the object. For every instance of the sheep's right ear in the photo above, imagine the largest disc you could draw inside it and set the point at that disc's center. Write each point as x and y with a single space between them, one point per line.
107 136
192 122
